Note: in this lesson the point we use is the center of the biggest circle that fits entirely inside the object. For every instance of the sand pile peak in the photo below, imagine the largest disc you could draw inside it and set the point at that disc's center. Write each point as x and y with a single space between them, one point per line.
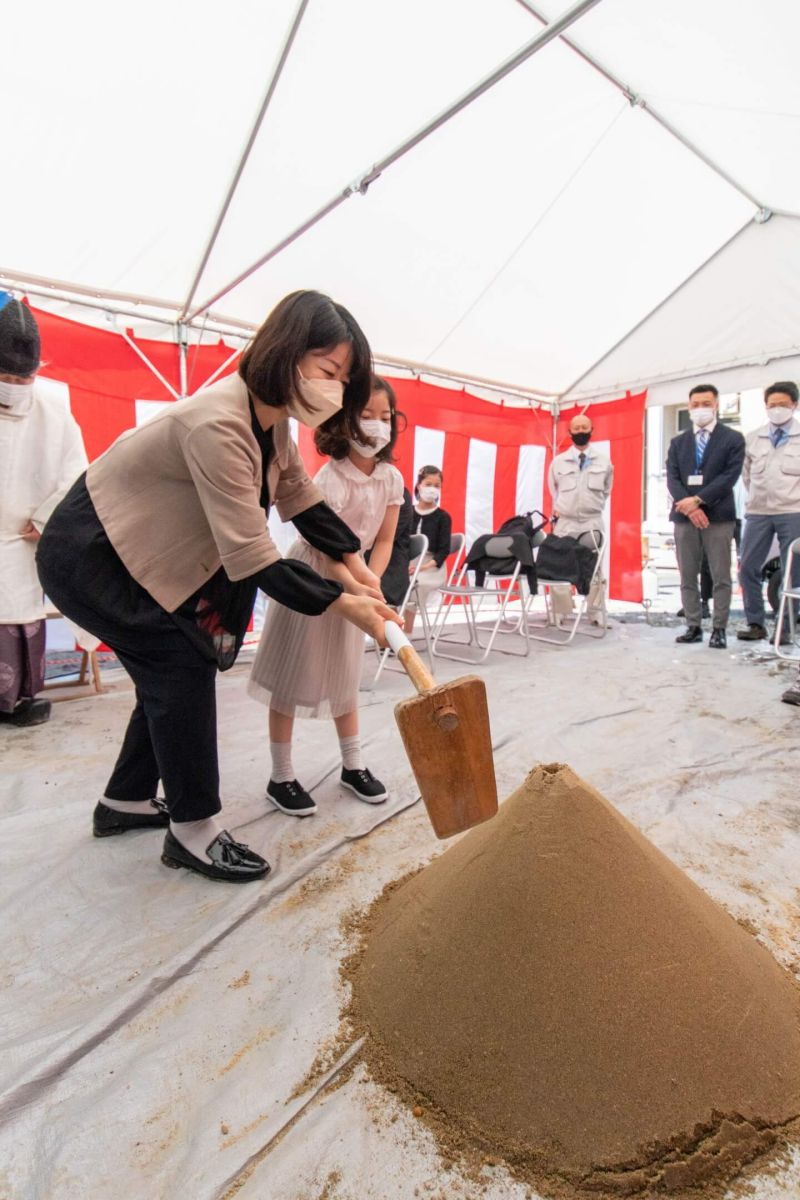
560 992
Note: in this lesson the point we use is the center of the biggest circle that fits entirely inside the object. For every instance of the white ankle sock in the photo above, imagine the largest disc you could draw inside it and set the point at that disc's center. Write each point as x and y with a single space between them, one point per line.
196 836
129 806
282 769
351 753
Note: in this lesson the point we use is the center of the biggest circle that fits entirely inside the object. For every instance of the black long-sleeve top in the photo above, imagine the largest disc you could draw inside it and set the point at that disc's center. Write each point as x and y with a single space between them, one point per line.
437 527
295 584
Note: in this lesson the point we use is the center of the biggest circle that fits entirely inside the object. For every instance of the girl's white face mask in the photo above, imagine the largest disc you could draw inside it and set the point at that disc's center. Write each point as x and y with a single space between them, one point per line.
15 396
701 416
381 434
430 495
315 400
780 416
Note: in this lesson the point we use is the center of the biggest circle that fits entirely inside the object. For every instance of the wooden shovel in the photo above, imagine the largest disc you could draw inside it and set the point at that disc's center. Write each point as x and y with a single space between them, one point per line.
445 730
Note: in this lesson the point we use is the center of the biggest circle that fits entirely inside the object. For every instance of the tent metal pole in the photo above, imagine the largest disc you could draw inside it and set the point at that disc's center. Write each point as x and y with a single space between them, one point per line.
237 174
220 327
149 364
542 39
183 350
637 101
706 262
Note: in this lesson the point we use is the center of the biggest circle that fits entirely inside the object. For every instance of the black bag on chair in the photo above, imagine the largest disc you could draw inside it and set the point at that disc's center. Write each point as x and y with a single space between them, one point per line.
567 559
498 553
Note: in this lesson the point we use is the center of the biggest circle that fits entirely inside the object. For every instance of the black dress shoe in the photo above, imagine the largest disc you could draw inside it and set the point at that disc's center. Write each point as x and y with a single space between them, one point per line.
106 822
291 798
753 633
231 861
718 640
28 712
693 634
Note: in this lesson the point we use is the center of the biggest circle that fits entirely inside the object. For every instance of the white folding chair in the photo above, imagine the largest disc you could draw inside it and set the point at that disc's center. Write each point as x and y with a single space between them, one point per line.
458 552
418 548
500 591
562 629
788 606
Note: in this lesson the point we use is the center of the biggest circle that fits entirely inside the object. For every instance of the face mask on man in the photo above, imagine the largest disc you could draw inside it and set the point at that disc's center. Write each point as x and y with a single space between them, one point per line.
581 439
779 416
381 434
701 416
430 495
315 400
15 396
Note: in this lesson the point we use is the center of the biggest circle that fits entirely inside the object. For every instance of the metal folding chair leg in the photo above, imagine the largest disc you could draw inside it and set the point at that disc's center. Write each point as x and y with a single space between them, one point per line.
790 596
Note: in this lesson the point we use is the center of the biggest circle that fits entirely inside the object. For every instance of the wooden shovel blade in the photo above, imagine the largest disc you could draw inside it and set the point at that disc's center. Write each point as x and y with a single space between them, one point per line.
449 745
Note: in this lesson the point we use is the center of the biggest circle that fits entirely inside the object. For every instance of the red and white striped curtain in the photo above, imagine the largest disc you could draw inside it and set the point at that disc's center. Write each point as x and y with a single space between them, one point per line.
494 458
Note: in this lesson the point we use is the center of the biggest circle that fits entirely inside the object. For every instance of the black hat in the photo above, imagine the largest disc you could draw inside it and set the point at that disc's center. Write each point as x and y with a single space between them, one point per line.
20 348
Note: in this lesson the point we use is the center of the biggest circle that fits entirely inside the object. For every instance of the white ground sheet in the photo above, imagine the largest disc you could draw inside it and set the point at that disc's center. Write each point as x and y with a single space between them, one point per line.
157 1027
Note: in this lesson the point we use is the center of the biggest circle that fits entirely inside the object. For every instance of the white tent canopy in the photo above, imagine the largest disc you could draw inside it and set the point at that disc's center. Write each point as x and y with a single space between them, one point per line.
521 241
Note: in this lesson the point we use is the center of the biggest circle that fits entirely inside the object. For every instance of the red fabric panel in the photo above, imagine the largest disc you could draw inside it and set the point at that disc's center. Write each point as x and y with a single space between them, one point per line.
505 484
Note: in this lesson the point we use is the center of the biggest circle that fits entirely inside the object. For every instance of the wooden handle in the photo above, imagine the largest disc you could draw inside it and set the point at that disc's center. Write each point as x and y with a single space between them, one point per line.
415 669
410 661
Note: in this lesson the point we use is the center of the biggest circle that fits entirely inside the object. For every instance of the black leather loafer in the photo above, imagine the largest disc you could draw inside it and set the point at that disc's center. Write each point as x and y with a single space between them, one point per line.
28 712
693 634
231 861
718 640
107 822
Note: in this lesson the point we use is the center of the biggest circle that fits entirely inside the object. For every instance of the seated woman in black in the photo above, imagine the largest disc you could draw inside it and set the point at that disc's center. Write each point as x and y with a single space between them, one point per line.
435 523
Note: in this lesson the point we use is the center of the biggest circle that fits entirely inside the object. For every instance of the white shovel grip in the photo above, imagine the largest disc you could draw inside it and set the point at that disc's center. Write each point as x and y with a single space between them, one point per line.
395 636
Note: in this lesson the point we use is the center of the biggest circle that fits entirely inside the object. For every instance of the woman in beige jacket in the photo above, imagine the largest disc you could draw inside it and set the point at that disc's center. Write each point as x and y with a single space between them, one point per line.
160 547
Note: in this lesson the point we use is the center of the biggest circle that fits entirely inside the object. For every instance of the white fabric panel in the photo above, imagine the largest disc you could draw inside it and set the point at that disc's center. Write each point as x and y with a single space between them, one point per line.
479 502
147 409
530 478
739 311
428 448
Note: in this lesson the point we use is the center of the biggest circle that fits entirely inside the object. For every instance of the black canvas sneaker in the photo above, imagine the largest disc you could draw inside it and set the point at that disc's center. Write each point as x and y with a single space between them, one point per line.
291 798
364 785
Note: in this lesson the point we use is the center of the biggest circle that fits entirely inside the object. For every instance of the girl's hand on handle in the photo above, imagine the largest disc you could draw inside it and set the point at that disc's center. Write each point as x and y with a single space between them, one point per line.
367 614
361 572
363 589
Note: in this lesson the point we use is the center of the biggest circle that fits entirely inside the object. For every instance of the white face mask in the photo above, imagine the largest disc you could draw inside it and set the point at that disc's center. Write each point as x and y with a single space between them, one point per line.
779 416
430 495
315 400
701 416
15 396
381 434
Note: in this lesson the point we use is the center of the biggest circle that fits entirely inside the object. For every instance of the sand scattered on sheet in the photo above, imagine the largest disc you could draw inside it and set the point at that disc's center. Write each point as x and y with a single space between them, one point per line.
553 993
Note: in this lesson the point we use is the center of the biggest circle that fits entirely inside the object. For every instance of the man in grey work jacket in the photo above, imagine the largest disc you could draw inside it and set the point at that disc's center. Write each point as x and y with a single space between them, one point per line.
772 478
580 482
703 464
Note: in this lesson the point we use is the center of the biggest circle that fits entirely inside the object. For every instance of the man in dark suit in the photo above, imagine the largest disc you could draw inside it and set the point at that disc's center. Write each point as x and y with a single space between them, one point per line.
703 465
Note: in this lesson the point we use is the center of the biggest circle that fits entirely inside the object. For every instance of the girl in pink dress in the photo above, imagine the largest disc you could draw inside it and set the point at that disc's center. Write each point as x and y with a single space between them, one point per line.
312 667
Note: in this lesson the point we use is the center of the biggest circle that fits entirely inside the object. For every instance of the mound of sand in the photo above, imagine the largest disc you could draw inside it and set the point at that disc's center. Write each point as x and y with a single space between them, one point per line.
562 994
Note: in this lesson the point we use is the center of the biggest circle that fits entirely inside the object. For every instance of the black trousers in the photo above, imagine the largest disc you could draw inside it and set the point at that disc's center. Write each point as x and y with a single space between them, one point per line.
172 732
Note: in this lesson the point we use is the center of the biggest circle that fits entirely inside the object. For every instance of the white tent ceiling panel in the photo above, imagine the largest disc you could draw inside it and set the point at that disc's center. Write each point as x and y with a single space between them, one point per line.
459 262
723 72
739 311
518 242
362 76
121 129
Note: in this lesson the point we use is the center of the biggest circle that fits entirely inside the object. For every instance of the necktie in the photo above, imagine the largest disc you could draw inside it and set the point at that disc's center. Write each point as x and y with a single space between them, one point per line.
700 444
581 460
777 435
